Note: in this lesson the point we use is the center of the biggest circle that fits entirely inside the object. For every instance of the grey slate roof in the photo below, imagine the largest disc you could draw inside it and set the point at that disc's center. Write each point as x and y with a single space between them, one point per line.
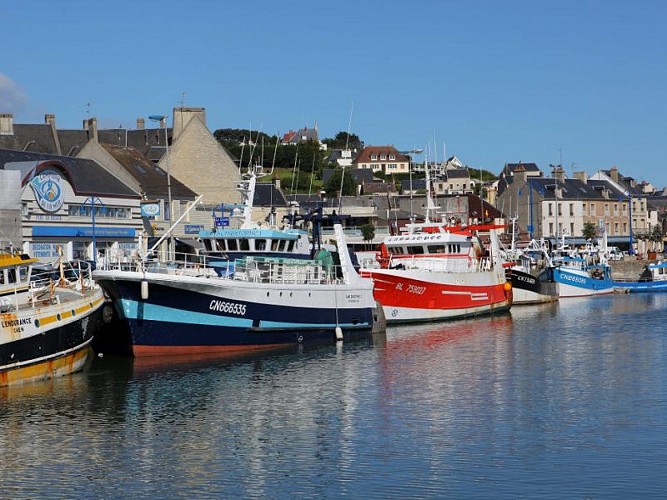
416 184
153 180
457 173
87 176
267 195
573 189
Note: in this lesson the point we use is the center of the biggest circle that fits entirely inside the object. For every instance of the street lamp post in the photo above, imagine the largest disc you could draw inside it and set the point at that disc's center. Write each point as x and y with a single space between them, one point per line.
631 250
163 119
92 200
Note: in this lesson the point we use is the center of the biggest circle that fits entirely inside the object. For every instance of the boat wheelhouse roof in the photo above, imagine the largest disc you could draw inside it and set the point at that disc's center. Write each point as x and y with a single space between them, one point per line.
13 260
274 234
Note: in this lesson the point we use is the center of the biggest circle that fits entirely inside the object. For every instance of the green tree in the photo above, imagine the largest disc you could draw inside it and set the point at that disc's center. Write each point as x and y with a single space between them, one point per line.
368 232
332 186
589 231
655 236
343 140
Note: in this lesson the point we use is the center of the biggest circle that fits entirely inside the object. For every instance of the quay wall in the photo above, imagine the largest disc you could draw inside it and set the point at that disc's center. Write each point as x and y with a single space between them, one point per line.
629 268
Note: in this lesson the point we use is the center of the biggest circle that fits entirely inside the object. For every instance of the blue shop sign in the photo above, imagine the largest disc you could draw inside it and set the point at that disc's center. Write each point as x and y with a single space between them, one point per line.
83 232
221 221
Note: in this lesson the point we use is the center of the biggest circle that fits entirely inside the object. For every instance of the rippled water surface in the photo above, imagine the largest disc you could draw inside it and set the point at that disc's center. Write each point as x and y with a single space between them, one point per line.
557 401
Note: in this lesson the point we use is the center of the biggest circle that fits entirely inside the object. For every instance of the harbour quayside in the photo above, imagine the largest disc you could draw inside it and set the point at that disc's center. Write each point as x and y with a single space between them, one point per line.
435 272
265 303
653 278
47 320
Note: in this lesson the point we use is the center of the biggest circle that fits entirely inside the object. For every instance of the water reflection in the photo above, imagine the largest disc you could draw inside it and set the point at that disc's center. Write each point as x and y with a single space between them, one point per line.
564 399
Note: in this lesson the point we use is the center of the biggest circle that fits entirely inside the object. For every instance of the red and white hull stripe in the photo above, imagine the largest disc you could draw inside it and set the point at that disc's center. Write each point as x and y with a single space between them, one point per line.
413 296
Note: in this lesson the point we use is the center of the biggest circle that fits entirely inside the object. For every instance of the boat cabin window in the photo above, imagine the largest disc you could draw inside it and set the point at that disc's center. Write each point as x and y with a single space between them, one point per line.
260 244
454 248
274 245
2 277
436 249
245 245
208 245
396 250
415 250
233 245
24 274
290 246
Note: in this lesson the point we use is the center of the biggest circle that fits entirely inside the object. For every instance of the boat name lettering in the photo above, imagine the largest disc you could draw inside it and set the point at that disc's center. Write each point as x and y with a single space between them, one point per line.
353 297
16 322
527 279
575 279
227 307
419 290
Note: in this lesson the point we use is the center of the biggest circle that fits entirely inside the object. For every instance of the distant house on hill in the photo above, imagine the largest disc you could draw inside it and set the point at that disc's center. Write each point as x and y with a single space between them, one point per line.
385 159
342 157
302 135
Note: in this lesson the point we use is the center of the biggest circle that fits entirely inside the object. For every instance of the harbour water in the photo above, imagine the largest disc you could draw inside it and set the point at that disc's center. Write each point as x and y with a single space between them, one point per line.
564 400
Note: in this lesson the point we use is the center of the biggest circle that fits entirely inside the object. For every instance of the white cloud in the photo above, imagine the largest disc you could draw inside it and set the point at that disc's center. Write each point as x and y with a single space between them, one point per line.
12 97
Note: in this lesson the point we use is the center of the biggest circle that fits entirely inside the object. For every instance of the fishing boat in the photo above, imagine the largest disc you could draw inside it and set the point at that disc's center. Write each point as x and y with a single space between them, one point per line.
47 320
530 271
579 277
223 245
583 272
434 271
531 274
266 303
653 278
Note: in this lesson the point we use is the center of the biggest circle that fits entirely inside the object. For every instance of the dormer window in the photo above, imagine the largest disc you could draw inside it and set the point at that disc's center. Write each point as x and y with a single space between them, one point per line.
392 157
383 157
374 157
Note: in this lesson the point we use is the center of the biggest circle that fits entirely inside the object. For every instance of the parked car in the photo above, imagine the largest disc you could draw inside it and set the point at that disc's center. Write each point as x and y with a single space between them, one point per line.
615 253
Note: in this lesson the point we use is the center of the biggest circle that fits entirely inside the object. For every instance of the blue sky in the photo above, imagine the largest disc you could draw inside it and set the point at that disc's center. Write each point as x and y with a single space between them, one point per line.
580 83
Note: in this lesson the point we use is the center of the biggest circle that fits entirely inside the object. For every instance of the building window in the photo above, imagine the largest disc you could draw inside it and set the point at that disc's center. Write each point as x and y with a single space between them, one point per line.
551 211
392 156
374 157
571 209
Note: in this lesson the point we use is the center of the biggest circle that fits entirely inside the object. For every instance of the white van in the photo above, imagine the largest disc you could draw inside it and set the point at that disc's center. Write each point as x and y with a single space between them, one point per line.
614 253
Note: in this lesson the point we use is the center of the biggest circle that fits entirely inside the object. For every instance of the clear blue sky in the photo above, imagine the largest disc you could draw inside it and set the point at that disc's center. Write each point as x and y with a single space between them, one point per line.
578 82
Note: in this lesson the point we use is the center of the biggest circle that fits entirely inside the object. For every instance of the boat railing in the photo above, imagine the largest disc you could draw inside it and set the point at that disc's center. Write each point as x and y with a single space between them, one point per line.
183 263
285 271
461 264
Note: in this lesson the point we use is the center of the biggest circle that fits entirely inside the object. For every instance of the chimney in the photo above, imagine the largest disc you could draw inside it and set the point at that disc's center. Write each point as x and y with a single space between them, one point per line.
613 173
582 176
90 125
6 124
183 116
519 175
559 173
50 120
141 124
